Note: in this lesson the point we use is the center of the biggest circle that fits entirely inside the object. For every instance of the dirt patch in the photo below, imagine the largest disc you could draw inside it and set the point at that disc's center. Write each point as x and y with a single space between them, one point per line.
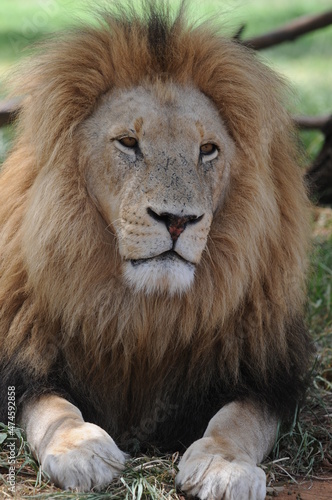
308 490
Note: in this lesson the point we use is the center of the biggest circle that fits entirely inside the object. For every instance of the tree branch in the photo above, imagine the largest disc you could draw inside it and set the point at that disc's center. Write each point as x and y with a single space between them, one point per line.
313 122
290 31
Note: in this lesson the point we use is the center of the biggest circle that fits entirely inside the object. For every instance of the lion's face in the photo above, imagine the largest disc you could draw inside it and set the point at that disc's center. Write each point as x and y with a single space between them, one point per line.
157 161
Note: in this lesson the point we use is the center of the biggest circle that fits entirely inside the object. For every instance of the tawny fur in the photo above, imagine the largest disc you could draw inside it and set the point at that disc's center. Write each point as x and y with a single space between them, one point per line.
249 286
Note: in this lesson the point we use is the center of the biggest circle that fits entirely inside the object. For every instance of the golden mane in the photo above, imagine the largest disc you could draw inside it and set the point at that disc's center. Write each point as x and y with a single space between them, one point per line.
61 294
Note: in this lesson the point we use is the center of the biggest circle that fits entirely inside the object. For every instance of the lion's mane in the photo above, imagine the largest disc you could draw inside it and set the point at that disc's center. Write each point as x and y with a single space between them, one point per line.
68 322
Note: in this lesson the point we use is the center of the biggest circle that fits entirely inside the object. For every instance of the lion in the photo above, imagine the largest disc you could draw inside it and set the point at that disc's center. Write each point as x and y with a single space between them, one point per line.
154 238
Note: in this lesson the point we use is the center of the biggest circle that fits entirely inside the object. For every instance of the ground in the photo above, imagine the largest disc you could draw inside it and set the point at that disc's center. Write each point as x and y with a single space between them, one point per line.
318 489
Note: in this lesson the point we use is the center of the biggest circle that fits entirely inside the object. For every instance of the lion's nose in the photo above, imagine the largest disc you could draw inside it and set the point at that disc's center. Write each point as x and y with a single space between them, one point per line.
175 224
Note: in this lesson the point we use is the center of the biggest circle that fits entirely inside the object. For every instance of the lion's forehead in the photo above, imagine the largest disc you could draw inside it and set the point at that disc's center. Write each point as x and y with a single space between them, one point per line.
165 114
170 122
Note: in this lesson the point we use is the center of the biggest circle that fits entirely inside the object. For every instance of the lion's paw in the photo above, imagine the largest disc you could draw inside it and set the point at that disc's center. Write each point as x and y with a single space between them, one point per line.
213 477
82 457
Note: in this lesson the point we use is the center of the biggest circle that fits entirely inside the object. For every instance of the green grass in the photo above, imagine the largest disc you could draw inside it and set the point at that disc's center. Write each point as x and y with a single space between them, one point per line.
306 63
320 307
23 23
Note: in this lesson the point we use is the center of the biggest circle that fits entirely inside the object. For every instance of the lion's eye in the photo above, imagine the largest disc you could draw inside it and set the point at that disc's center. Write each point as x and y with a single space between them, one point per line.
208 151
128 142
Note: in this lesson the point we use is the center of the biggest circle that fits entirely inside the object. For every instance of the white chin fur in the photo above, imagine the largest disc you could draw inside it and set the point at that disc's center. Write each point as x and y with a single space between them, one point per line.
160 275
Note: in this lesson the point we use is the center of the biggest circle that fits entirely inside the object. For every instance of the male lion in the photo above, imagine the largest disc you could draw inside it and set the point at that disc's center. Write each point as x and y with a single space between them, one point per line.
154 231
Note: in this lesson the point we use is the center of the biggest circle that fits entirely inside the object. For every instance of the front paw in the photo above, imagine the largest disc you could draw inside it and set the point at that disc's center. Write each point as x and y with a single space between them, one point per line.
209 475
82 457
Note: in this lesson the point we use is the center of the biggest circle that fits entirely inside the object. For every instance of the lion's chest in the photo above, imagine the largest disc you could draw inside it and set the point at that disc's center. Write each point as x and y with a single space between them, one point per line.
168 412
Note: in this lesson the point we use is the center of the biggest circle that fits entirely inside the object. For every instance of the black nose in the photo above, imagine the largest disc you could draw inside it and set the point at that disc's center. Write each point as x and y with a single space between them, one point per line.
175 224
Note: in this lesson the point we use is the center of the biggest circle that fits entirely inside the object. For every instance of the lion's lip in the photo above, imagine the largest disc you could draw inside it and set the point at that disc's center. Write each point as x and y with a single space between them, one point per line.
169 255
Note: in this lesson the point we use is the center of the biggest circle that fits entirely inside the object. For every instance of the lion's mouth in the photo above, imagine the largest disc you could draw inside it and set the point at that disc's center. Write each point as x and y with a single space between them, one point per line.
167 272
169 256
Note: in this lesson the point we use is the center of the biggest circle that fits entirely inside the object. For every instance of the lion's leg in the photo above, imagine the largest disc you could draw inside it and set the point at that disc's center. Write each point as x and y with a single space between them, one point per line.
223 464
74 453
